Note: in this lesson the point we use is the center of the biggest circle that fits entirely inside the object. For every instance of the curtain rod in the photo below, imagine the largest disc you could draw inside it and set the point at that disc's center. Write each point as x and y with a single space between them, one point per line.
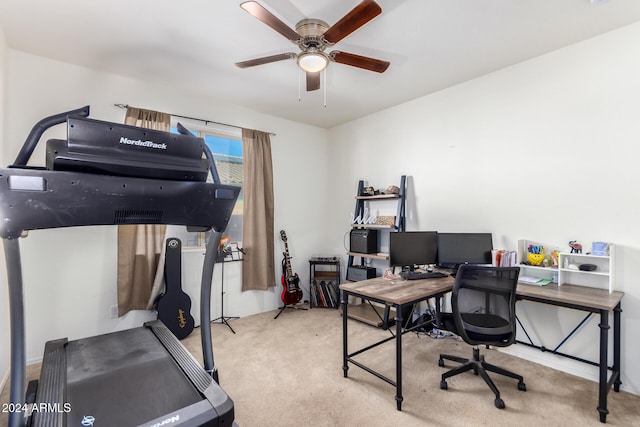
196 119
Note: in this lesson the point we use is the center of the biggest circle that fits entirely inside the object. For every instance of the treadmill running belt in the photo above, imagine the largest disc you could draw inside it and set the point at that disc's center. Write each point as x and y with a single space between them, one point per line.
125 378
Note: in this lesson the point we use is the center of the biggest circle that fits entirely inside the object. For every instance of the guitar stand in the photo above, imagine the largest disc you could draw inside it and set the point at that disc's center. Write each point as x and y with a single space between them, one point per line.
291 306
223 319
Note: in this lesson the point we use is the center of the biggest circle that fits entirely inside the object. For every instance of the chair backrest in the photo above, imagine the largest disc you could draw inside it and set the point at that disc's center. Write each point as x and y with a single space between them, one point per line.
483 302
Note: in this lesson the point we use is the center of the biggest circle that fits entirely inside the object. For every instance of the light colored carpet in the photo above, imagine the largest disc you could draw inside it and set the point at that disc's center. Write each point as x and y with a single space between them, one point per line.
288 372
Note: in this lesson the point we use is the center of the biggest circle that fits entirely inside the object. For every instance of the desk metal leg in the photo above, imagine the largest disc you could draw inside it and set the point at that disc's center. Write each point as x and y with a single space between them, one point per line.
617 370
399 356
603 387
605 382
345 300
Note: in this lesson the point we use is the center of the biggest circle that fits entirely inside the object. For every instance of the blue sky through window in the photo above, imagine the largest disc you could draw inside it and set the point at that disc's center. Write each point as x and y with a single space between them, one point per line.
220 145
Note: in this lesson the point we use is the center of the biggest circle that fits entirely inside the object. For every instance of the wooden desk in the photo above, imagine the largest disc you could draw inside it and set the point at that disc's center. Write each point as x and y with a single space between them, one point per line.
592 301
402 293
398 293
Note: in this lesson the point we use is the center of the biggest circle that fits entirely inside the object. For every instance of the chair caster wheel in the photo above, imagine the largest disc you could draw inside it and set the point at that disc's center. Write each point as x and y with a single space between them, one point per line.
441 363
522 387
499 403
443 385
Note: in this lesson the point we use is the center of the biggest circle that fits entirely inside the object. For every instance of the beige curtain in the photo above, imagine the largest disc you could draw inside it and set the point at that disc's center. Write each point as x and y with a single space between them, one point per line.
141 247
258 270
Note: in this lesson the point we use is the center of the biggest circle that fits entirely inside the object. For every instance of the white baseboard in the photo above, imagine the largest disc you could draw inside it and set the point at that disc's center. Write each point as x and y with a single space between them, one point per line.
34 361
564 364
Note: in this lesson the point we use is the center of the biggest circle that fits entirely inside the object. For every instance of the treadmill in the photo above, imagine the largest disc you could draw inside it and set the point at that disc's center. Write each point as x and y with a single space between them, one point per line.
107 174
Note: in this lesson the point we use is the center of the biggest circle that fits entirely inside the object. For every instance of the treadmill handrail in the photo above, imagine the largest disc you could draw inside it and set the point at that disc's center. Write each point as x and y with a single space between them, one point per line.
207 153
36 132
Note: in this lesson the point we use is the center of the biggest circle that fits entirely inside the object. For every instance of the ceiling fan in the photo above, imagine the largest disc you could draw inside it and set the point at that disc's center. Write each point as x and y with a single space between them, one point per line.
313 36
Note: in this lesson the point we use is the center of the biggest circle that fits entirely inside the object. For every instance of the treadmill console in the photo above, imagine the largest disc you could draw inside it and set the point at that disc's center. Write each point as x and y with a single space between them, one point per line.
105 148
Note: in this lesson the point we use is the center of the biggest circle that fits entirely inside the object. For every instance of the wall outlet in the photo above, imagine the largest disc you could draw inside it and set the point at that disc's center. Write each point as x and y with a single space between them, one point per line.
114 311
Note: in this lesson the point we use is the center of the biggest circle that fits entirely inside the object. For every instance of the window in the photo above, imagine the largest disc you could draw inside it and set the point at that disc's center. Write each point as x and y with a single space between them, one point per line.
226 147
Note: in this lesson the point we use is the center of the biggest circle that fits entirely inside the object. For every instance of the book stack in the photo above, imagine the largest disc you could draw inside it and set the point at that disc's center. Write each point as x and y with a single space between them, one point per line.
324 293
503 258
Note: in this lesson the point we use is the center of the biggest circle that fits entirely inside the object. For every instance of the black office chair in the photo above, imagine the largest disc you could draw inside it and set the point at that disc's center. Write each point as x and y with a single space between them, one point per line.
483 303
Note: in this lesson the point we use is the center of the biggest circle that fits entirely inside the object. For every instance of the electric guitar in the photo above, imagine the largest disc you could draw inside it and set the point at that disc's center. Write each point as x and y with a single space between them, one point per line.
291 292
174 305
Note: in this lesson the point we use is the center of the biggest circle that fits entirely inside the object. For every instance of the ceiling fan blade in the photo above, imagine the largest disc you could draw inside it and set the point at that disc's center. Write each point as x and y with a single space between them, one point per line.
270 19
363 62
359 15
313 81
265 60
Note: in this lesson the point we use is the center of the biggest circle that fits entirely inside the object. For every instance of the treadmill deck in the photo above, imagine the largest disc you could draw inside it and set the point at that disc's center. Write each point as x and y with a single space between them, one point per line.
124 378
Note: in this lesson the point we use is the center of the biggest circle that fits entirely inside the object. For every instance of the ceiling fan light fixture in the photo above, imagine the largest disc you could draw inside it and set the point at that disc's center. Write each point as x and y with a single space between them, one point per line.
313 36
313 62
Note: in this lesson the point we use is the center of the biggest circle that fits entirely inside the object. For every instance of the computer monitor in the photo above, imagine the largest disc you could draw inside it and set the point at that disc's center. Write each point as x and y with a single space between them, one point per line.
464 248
411 248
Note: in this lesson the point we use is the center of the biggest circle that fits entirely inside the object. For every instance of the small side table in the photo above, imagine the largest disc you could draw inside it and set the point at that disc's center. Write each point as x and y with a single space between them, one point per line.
324 274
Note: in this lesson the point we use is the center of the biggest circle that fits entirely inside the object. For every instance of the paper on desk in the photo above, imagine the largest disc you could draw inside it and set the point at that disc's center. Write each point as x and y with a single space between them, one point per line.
534 280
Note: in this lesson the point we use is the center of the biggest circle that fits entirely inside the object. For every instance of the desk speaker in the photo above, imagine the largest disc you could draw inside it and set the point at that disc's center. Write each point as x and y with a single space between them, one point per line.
364 241
357 273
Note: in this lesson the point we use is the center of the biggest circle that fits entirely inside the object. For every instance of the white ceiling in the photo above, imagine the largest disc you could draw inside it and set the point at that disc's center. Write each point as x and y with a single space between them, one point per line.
193 44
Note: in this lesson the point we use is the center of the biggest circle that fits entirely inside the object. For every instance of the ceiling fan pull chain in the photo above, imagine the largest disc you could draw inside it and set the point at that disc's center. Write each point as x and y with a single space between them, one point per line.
324 86
299 83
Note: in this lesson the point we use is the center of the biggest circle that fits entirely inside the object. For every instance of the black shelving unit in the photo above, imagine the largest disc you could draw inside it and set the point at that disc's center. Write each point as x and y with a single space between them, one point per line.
399 225
365 311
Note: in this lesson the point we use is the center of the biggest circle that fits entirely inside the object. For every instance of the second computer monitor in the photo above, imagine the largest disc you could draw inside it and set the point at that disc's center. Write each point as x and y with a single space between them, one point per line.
411 248
464 248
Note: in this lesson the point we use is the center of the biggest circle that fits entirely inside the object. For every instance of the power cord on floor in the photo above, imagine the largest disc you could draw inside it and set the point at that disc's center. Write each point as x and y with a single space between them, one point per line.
427 326
440 334
437 334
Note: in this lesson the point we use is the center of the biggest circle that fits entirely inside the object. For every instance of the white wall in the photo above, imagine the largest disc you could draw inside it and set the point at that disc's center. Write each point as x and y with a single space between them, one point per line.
70 274
544 150
4 295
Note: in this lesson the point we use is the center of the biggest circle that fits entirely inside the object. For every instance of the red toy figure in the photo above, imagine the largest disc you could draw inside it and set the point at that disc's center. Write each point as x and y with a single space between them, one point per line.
576 248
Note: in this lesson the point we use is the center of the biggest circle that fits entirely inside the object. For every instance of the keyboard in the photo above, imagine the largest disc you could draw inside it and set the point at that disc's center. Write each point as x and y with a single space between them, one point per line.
414 275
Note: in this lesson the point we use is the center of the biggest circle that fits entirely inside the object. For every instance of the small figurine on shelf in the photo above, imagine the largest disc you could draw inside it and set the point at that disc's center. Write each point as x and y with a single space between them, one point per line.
576 248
